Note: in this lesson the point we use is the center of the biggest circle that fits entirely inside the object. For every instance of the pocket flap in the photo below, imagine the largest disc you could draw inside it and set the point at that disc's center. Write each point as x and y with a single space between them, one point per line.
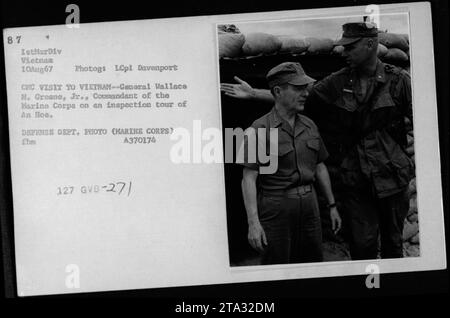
384 100
313 144
284 149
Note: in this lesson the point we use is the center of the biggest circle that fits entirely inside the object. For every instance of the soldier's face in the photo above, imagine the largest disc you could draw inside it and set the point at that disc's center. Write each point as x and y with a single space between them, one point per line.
293 97
357 53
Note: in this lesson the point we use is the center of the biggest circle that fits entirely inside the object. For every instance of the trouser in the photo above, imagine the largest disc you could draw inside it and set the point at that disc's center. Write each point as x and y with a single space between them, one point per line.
291 222
368 217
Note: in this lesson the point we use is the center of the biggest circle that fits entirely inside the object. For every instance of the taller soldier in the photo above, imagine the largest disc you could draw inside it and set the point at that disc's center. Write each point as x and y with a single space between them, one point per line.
364 105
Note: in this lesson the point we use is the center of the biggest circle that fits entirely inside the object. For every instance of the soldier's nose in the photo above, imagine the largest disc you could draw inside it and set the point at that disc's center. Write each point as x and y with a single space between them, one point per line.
305 93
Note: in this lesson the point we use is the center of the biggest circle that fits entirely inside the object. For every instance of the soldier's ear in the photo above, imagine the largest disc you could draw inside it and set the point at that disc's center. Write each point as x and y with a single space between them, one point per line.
370 43
276 91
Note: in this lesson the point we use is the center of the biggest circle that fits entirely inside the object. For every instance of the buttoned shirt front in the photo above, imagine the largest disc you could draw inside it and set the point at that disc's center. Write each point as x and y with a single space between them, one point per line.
300 149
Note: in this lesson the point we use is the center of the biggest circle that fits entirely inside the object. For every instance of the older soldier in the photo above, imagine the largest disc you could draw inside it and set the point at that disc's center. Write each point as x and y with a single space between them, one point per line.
283 213
362 108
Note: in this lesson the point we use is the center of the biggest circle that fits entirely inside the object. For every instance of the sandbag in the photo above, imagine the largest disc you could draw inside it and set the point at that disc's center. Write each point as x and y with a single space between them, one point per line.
338 49
415 239
230 40
260 43
395 55
293 44
381 50
410 140
407 69
230 44
408 126
409 230
410 150
319 45
394 40
228 28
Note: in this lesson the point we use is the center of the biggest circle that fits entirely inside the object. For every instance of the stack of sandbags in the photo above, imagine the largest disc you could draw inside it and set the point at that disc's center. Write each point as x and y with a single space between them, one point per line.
260 43
397 47
293 44
411 224
230 40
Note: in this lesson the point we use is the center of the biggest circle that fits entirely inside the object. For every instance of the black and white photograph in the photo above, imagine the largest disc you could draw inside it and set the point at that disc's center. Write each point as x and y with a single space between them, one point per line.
250 151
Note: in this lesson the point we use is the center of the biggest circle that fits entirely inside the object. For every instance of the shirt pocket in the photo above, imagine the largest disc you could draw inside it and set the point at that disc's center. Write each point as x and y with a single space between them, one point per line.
282 149
285 157
313 144
309 157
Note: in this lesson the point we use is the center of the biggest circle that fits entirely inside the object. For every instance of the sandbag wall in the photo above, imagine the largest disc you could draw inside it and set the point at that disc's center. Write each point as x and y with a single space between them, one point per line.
392 48
411 246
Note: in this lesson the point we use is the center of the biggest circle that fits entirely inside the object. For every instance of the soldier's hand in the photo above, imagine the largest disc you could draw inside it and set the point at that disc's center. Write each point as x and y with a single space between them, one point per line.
242 90
257 237
336 221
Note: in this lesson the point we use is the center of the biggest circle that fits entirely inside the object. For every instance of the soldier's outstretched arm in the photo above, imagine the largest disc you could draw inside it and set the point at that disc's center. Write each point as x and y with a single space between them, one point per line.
256 235
243 90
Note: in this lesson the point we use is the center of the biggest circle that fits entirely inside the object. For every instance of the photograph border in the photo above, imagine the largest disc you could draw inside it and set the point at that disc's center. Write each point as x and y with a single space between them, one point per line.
392 267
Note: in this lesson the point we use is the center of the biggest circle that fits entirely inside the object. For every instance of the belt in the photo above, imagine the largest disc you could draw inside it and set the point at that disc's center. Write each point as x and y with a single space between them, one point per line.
291 191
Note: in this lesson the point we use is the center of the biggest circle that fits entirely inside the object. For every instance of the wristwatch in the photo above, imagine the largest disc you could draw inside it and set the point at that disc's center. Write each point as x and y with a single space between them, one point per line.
331 205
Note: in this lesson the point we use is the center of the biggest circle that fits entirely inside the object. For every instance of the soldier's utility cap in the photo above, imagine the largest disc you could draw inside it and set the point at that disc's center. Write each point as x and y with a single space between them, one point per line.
288 73
355 31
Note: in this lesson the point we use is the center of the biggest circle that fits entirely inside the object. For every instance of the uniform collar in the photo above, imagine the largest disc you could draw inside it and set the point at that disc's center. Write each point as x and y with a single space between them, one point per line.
379 75
274 118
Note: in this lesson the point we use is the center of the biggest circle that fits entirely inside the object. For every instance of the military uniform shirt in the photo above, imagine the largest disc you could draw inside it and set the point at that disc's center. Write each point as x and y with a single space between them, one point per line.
370 127
300 149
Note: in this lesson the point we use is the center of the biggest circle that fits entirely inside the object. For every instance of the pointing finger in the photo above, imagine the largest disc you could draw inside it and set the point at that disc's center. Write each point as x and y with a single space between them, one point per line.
237 79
